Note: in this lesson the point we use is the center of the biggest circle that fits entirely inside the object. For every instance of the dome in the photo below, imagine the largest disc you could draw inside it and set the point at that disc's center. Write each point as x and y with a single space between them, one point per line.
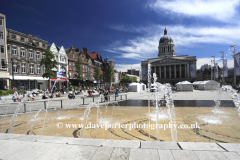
165 37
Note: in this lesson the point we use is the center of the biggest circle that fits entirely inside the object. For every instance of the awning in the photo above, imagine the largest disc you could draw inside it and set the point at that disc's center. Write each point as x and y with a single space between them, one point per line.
28 78
60 79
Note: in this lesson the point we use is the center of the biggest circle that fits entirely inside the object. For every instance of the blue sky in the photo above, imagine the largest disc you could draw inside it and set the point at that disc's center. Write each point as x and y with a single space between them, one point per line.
128 31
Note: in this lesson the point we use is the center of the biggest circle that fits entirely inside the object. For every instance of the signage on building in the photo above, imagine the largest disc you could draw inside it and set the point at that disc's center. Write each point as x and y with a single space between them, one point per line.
193 70
59 74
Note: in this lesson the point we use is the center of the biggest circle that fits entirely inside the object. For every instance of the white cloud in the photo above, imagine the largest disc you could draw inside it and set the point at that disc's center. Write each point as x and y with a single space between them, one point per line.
202 61
146 46
125 67
222 10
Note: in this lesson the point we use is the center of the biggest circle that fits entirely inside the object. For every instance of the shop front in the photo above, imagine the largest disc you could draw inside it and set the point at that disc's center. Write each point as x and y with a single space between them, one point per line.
59 82
28 82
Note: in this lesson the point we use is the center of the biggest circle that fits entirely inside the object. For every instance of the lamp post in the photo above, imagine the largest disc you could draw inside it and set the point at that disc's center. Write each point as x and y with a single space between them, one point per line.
223 66
214 67
234 65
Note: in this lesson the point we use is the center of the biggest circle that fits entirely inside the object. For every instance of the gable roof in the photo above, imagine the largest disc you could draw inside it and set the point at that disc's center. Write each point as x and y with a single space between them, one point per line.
93 55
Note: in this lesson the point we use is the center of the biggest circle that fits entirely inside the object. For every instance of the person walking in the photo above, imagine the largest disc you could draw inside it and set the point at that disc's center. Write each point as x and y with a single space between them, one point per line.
106 95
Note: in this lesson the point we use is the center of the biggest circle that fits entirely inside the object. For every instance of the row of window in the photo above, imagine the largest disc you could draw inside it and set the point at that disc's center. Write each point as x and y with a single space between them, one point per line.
1 22
72 75
22 52
63 59
23 68
22 39
1 49
169 48
1 35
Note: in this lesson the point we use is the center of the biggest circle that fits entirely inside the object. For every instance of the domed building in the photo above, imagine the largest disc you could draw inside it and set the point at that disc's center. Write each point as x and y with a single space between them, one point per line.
169 67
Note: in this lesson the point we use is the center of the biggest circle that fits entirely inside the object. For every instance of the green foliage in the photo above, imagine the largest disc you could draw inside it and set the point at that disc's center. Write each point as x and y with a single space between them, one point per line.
78 65
127 79
6 92
109 73
49 64
98 75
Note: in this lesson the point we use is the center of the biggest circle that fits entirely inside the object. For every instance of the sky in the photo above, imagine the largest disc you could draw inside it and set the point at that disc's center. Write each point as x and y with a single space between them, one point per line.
128 31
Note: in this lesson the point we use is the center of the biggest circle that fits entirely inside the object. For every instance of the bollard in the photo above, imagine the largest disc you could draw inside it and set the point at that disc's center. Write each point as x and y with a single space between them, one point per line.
83 101
115 97
109 98
61 104
25 110
45 105
101 99
121 97
93 98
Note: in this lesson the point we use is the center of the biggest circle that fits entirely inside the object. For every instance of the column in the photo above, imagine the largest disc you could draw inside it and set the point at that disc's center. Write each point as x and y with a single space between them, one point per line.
160 72
155 69
180 71
175 72
165 72
29 84
188 70
170 72
185 66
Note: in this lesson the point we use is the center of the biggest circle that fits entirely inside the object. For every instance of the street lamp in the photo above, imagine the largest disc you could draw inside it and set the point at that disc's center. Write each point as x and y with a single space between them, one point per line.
223 66
214 67
234 65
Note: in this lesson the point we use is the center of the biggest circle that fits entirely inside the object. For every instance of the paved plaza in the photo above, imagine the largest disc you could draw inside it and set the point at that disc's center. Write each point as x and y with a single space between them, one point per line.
19 146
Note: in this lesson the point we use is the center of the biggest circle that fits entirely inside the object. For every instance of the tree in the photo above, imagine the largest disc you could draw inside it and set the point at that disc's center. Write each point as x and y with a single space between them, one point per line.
127 79
97 75
109 73
49 64
78 65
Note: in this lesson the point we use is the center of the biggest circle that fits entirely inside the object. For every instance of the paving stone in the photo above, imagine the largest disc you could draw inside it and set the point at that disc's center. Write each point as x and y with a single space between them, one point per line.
3 142
86 142
206 155
9 145
159 145
20 151
122 143
120 154
165 155
53 139
231 155
79 152
200 146
103 153
8 136
22 137
42 150
230 146
183 154
55 152
148 154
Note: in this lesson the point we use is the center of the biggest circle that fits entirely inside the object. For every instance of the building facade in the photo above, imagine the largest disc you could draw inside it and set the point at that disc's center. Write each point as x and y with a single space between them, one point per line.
168 67
61 69
4 71
24 55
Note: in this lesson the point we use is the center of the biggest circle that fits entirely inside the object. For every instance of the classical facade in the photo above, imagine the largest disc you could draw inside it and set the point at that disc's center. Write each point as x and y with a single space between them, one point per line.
24 55
62 66
4 75
169 67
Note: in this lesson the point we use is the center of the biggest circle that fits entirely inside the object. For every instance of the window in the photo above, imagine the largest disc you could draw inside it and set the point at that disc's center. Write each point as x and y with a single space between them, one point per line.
23 67
15 69
22 52
44 68
38 55
62 59
37 43
83 68
14 50
82 58
43 56
2 49
13 36
22 39
1 35
62 67
30 54
70 65
43 45
73 56
73 66
1 22
70 74
38 69
31 69
56 58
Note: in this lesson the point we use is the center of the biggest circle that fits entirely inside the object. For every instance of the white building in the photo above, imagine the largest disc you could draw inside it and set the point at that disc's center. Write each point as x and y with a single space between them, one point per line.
62 67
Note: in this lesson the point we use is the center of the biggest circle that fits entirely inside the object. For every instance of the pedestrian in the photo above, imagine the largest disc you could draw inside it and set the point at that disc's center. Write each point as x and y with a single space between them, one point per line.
106 95
5 87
